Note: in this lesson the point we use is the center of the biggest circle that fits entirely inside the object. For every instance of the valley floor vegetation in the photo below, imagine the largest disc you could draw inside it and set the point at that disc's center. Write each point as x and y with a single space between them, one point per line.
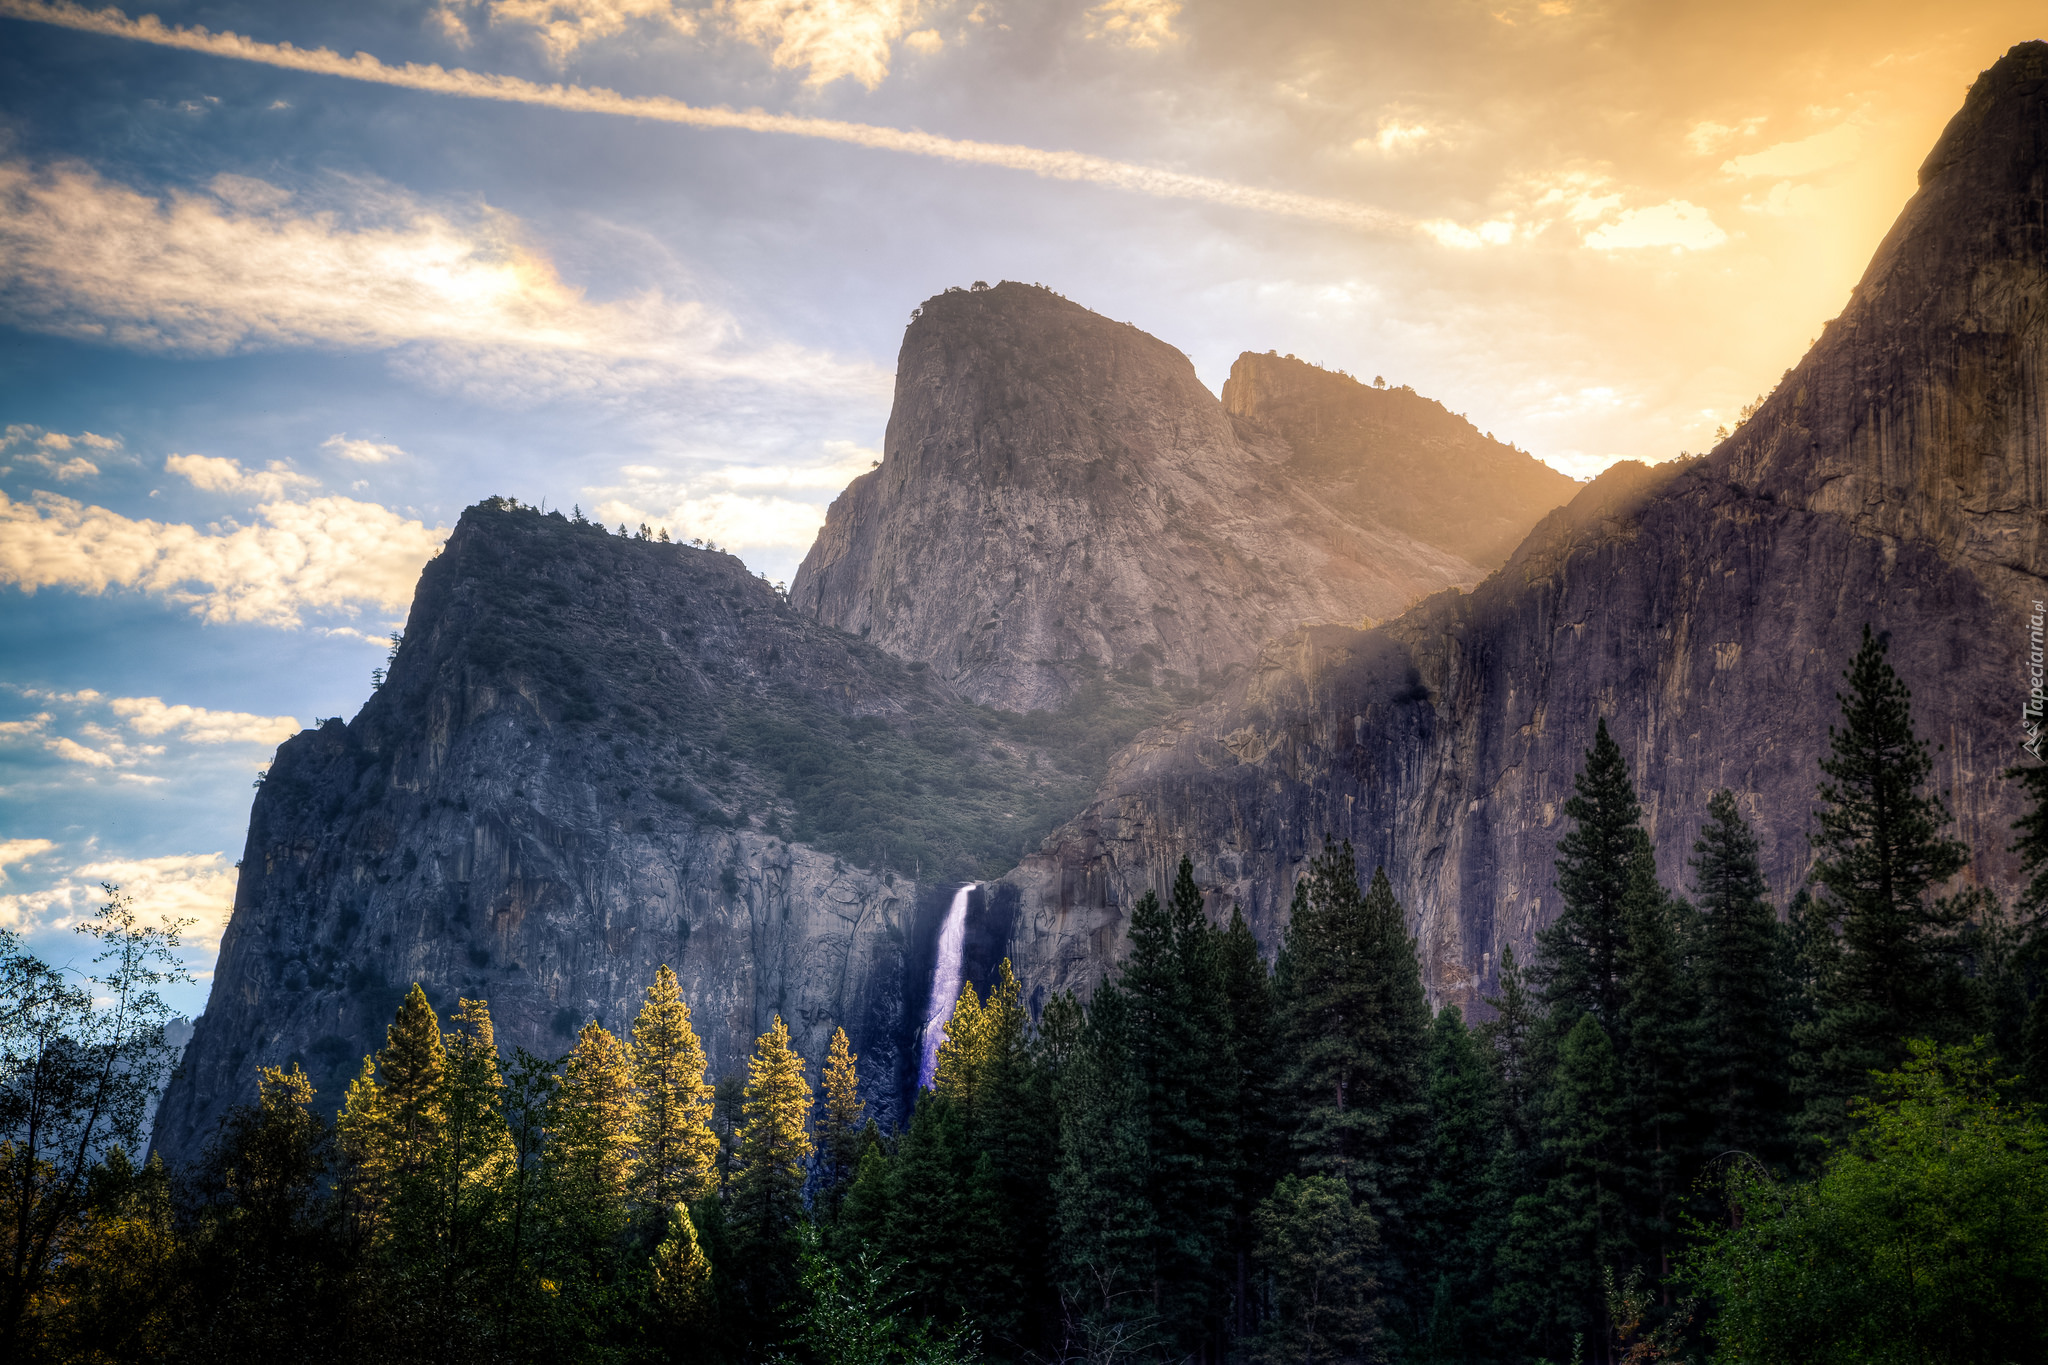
1691 1129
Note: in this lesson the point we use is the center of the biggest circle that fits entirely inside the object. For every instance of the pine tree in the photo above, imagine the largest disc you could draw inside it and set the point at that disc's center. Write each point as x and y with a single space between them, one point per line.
1356 1027
1562 1238
1658 1048
1107 1235
1578 961
1880 852
1451 1223
841 1123
476 1151
766 1202
1511 1036
1179 1039
393 1120
1251 1152
1744 1049
590 1153
675 1154
1318 1249
681 1274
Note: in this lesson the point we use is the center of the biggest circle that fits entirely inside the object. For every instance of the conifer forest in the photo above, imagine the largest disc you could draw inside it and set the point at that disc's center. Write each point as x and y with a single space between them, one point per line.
1695 1126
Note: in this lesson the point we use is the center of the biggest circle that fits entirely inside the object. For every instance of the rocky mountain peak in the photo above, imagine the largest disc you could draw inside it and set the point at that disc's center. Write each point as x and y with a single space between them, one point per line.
1060 499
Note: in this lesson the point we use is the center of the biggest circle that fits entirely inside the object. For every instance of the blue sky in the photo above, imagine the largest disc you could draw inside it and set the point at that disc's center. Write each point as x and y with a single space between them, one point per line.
267 326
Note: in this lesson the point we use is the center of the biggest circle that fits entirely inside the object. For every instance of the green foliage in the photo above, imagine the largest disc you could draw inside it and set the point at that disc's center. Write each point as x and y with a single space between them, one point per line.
1924 1239
1579 957
1744 1045
1454 1219
1355 1027
1318 1248
1895 971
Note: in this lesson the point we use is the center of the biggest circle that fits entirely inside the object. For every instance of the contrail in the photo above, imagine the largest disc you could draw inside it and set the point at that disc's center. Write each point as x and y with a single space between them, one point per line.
582 99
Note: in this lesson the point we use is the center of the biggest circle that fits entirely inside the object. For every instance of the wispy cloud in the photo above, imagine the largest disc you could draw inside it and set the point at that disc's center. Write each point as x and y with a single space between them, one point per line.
1802 157
242 266
15 852
325 554
1052 165
744 508
360 451
1676 224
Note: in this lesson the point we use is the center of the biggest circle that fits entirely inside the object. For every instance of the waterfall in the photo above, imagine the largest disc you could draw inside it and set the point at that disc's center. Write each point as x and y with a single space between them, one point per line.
945 985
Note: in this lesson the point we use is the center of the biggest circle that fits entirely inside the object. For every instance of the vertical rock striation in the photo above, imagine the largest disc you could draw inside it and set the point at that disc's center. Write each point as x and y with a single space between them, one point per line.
1704 608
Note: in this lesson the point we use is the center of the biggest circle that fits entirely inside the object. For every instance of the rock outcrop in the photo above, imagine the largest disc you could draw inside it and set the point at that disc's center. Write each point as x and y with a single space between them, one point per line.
592 756
1393 456
1059 496
1898 476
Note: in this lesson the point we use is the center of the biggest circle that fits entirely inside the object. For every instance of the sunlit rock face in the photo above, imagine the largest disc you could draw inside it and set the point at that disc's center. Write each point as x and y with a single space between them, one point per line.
1898 476
1059 494
1393 456
593 756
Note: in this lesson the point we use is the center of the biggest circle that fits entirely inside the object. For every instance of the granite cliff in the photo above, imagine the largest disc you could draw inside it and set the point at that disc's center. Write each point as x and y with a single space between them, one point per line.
1059 495
1897 476
594 755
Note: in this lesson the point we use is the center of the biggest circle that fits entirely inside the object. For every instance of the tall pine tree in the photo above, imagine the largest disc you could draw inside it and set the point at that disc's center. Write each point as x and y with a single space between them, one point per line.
1451 1224
1578 961
841 1119
766 1200
1744 1048
1880 853
1356 1026
675 1153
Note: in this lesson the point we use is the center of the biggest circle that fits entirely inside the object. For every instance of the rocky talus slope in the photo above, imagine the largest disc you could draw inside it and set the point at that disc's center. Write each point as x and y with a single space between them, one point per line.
594 755
1059 495
1897 476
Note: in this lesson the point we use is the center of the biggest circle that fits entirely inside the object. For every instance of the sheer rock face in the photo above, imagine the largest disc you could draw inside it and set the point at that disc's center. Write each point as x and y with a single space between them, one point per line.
1397 457
1058 493
1898 476
533 811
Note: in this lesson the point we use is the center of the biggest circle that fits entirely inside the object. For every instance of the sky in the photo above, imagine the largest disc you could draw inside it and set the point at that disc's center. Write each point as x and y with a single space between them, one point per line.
285 286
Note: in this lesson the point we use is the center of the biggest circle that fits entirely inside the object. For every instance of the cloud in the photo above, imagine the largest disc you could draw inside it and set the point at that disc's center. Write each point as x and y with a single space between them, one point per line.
562 26
1396 136
740 507
362 452
50 451
198 725
827 38
1817 153
327 554
241 266
194 886
1052 165
1135 23
1676 224
1708 137
925 40
218 475
14 852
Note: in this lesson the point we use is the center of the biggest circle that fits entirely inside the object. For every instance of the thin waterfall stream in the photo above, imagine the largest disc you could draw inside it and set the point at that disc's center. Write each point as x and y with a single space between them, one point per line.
945 985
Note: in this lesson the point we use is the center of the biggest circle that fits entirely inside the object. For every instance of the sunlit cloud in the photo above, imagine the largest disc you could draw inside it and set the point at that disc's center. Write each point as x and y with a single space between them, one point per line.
215 474
1708 137
563 26
1820 152
18 852
241 266
1676 224
199 887
325 554
360 451
742 508
826 39
1395 136
1134 23
198 725
59 455
1053 165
